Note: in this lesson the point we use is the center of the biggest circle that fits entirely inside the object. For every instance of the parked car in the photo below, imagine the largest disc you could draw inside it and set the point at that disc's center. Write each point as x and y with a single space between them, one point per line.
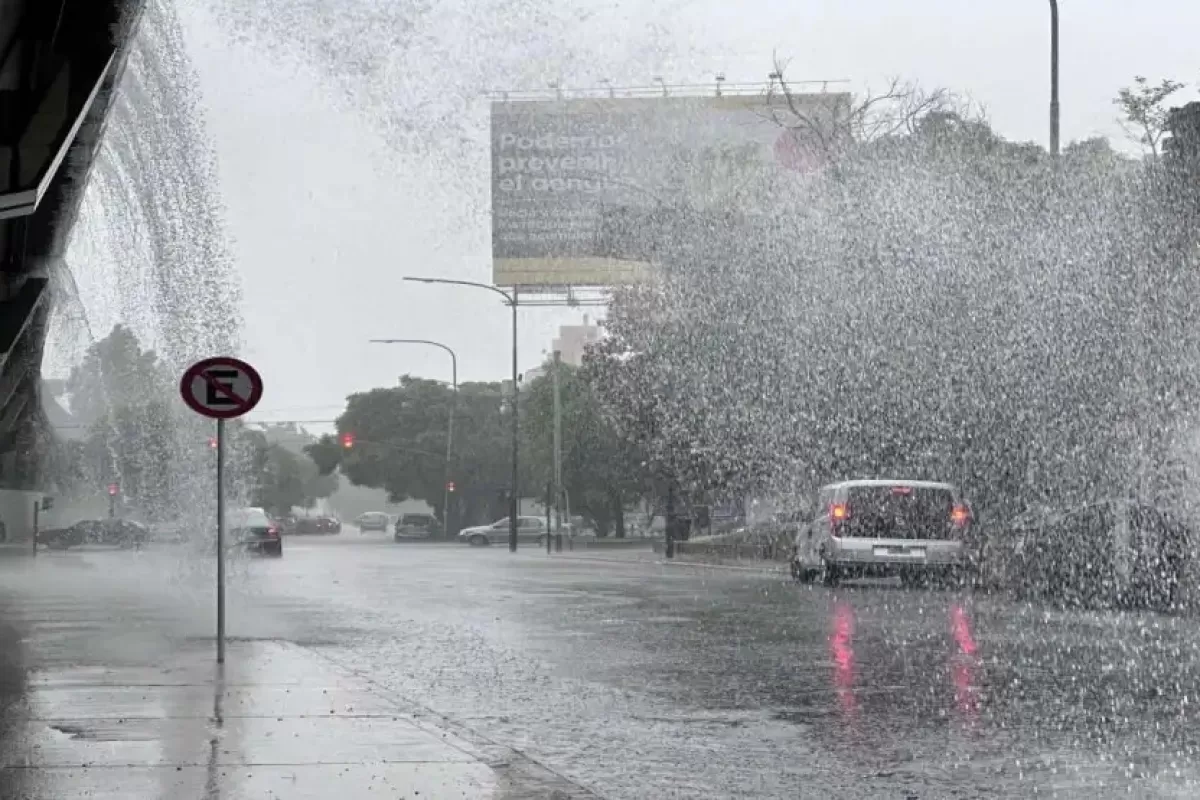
122 533
316 525
253 530
1110 554
879 528
416 526
372 521
529 529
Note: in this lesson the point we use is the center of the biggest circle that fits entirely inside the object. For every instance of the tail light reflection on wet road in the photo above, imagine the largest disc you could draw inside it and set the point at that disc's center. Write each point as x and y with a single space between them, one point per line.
964 663
841 646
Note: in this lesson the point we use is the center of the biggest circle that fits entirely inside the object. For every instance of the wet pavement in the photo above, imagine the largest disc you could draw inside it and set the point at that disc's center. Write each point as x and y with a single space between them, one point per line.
556 676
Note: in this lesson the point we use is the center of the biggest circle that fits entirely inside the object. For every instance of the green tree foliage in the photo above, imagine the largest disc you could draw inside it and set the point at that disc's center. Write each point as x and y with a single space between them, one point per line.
284 479
116 373
937 303
1145 112
601 471
139 437
119 391
400 444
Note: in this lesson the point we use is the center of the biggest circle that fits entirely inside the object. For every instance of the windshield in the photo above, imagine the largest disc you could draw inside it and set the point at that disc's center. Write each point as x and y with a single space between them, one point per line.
249 518
899 511
772 398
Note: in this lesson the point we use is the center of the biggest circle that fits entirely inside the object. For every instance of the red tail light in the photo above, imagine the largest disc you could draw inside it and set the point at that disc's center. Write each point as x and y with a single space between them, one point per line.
273 532
960 516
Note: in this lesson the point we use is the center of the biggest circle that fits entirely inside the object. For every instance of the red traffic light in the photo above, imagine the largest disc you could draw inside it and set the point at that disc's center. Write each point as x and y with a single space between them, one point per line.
212 442
113 489
347 440
449 486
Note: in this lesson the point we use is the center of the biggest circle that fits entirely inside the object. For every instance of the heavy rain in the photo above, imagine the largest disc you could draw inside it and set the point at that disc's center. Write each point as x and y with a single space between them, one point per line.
590 400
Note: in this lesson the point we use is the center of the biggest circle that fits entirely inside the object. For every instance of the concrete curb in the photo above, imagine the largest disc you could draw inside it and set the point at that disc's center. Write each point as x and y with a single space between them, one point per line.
662 562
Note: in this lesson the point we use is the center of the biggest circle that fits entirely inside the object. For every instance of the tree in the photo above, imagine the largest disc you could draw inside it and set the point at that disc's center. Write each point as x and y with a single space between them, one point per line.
836 127
399 445
941 303
601 471
116 372
1144 111
284 479
119 391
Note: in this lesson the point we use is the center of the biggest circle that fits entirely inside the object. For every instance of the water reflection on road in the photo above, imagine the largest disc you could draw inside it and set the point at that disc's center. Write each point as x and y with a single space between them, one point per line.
639 680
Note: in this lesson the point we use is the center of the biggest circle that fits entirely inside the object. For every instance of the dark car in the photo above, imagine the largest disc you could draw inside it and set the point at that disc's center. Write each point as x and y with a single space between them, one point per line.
252 529
317 525
122 533
1110 554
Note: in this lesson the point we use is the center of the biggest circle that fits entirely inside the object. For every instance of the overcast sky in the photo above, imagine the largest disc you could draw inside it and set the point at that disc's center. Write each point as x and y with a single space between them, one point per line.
352 144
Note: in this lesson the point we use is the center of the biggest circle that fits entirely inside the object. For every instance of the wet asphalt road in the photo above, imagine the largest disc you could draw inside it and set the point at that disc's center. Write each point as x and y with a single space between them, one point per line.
640 680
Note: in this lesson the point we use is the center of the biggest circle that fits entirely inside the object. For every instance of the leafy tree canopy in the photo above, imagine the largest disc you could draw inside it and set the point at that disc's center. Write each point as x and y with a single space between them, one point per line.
601 471
399 445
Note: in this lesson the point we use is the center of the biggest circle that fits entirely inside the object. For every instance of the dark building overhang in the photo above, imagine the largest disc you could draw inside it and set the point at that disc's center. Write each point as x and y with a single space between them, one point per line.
59 64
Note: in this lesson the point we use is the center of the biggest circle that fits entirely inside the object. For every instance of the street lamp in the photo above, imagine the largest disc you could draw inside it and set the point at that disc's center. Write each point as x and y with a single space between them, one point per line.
1054 77
449 424
511 299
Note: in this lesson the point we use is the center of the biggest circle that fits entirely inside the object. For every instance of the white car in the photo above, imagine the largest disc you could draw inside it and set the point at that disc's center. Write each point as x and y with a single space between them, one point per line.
529 529
877 528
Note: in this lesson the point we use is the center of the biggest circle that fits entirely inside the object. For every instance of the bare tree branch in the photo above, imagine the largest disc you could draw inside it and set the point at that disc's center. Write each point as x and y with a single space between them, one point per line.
896 110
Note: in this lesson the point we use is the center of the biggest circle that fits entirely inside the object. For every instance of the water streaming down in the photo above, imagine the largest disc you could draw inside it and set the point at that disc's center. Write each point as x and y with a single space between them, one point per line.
148 251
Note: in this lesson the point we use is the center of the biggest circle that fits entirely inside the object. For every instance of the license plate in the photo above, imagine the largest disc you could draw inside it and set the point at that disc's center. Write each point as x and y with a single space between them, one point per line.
901 552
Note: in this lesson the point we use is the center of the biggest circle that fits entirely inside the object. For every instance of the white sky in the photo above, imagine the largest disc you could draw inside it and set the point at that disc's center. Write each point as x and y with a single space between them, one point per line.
326 215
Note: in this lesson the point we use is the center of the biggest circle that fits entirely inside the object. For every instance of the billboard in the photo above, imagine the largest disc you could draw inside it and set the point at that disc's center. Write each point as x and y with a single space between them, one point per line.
564 170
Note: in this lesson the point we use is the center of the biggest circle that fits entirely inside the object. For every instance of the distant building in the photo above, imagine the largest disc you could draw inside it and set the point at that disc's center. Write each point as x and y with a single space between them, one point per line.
573 339
64 425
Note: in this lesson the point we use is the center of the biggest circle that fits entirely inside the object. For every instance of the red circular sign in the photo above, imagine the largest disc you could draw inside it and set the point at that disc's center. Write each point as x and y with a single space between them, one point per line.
221 387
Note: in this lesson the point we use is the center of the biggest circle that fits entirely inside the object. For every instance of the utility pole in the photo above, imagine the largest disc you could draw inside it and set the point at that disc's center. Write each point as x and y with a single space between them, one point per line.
515 490
669 519
449 470
514 504
557 444
1054 77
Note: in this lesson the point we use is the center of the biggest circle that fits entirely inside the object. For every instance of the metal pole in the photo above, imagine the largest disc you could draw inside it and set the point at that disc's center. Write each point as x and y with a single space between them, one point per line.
37 507
512 500
220 541
512 300
1054 77
549 503
449 444
669 515
557 445
449 424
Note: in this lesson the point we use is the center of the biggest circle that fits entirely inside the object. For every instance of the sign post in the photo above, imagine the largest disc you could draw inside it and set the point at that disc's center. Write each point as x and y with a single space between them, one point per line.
221 388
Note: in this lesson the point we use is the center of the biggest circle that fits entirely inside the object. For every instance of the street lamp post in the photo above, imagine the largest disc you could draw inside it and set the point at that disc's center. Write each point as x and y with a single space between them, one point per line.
511 299
449 422
1054 77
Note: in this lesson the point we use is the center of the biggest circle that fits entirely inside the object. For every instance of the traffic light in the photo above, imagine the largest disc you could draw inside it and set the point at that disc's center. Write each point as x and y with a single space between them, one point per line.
449 486
212 443
113 489
347 441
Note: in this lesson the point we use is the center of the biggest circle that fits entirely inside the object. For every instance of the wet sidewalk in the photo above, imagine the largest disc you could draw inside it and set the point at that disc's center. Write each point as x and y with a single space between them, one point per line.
277 720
